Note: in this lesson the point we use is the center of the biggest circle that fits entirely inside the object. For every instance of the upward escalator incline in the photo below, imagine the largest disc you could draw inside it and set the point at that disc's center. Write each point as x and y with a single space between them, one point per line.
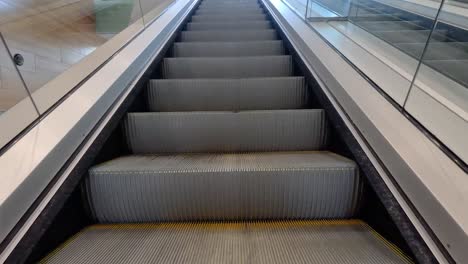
228 165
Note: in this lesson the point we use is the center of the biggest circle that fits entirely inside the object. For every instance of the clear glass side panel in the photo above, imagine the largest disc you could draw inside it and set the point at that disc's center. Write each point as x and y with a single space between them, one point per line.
300 6
152 9
404 26
439 95
383 38
328 8
16 107
53 35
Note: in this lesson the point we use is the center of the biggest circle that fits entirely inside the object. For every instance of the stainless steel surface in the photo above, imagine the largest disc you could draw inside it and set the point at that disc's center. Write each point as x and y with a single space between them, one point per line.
177 95
227 67
221 35
258 25
266 130
318 242
232 49
193 187
29 165
404 156
241 17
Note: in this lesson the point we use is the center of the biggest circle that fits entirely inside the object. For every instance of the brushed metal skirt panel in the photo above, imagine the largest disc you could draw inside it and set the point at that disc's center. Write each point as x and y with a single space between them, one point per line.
245 131
314 242
295 185
226 94
227 67
228 49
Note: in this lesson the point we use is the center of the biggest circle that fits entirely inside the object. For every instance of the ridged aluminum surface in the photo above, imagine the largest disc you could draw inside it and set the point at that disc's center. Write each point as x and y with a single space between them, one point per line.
221 18
204 6
226 9
276 185
314 242
221 35
226 94
227 12
269 130
227 6
250 25
227 67
230 1
228 49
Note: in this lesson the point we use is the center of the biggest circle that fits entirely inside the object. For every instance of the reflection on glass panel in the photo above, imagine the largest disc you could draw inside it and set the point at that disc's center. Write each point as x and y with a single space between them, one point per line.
396 24
12 90
153 8
299 6
439 95
328 8
53 35
16 107
383 38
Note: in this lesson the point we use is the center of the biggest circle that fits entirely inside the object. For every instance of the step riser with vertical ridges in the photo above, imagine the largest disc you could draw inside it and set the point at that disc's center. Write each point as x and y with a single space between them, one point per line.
181 132
229 67
227 94
221 35
228 49
233 18
229 26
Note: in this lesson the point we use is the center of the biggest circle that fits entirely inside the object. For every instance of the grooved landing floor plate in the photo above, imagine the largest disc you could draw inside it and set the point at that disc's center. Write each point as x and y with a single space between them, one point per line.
341 241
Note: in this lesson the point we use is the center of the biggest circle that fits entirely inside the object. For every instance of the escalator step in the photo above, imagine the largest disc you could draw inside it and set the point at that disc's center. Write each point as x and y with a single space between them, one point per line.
269 130
191 187
227 67
254 25
229 1
226 94
316 242
229 7
221 18
228 49
223 7
221 35
223 12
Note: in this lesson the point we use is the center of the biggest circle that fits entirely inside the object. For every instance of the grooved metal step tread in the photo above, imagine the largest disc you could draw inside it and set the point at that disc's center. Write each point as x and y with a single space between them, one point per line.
172 95
191 187
221 18
232 35
269 130
315 242
228 49
257 25
227 67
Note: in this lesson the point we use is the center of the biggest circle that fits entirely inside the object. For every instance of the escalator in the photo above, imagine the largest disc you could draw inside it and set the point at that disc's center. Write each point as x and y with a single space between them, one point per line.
447 51
228 159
